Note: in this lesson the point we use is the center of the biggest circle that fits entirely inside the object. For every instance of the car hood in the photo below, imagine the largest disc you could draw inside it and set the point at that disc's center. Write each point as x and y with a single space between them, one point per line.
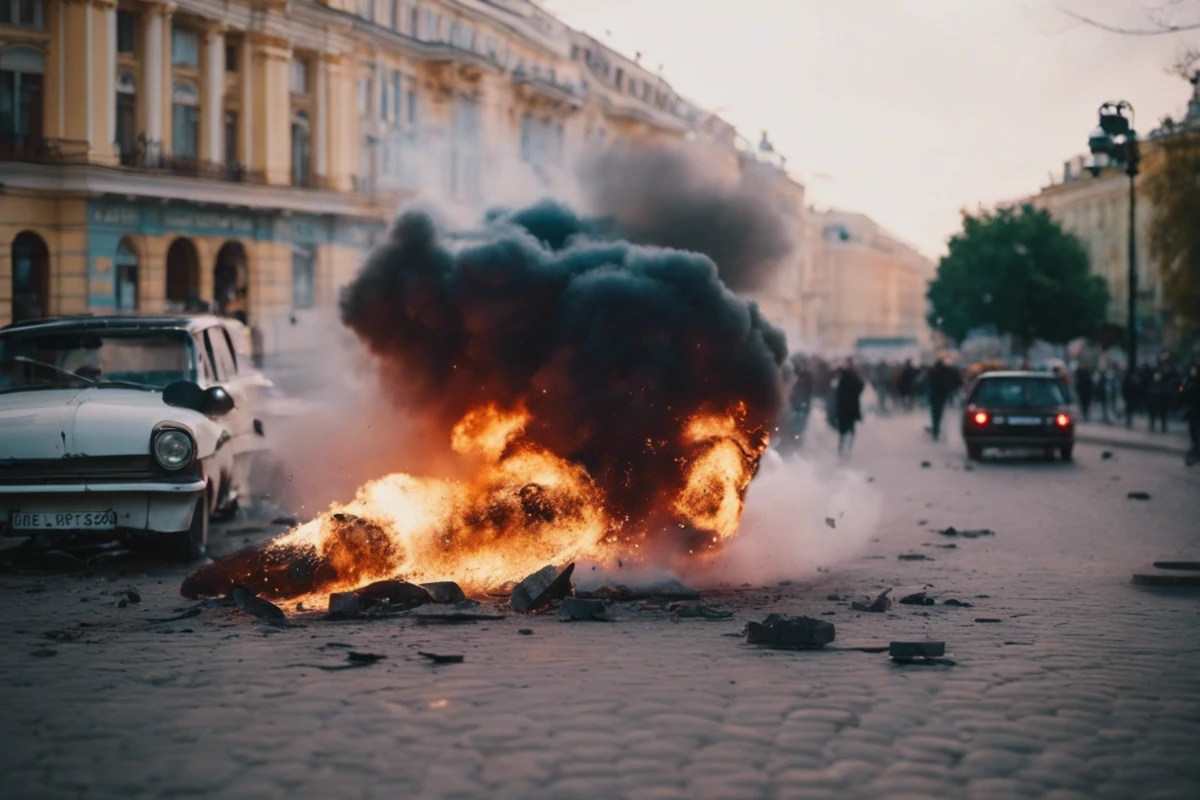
55 423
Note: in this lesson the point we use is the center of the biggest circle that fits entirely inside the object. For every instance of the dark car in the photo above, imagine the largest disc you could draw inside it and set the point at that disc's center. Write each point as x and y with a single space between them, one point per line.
1018 410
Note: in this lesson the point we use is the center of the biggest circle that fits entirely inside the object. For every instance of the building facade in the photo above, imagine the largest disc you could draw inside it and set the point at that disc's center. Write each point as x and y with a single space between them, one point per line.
863 283
246 154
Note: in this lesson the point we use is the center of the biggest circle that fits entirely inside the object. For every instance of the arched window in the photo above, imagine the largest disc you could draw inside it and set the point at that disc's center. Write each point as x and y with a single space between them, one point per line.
301 149
185 120
126 113
30 277
183 276
125 264
22 76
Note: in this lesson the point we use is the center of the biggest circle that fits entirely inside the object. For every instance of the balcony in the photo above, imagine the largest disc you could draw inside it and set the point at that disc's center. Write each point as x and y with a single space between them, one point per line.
148 156
32 149
562 95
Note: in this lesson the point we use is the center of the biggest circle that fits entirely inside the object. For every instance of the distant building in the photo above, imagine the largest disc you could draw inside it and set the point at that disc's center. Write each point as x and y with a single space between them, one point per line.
863 284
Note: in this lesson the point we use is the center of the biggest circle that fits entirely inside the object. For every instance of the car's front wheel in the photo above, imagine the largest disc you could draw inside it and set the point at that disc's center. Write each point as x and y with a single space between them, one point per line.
186 546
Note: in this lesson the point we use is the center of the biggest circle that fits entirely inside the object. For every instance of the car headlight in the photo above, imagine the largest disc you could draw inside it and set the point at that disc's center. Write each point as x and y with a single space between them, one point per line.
173 449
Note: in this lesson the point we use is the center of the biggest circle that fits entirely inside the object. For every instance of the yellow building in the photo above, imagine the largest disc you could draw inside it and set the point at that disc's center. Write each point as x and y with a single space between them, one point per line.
864 284
246 153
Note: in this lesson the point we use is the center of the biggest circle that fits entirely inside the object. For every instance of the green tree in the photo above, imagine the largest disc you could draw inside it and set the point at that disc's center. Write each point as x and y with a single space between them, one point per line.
1018 270
1173 188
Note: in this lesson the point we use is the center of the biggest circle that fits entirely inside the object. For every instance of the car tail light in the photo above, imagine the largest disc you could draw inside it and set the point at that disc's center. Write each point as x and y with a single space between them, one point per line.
981 418
1062 420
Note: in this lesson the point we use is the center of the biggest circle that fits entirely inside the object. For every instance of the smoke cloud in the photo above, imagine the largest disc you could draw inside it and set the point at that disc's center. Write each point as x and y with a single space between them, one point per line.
610 346
672 198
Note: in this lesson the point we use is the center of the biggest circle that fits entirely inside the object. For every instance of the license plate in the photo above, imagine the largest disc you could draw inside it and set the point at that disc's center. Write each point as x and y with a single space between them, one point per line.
63 520
1024 420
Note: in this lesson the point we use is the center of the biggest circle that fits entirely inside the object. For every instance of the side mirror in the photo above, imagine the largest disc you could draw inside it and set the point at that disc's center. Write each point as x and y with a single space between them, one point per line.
211 402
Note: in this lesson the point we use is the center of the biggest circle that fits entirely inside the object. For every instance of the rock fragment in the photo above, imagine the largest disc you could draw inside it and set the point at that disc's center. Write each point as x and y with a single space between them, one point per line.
1138 495
694 610
910 650
578 609
442 659
958 603
250 603
445 591
397 594
969 533
785 632
917 599
914 557
879 604
541 588
344 605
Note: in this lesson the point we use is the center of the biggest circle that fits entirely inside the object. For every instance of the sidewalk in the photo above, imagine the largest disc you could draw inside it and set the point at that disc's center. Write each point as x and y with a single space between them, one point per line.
1174 441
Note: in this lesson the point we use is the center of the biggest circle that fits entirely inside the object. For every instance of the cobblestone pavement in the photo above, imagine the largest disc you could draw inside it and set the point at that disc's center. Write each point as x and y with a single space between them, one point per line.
1084 686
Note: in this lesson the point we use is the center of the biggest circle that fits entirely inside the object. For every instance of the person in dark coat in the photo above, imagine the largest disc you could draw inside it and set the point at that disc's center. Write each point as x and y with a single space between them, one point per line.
944 381
1083 389
849 411
1189 401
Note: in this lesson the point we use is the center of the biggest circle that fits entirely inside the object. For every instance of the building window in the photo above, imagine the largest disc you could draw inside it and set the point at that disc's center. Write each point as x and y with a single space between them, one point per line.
231 137
384 89
22 71
462 36
231 57
22 13
301 149
364 96
397 96
126 267
298 76
185 47
366 9
302 277
395 19
185 120
30 277
126 113
413 103
414 22
126 32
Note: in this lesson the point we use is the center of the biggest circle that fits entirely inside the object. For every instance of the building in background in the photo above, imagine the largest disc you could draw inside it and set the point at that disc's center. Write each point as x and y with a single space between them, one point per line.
245 155
863 284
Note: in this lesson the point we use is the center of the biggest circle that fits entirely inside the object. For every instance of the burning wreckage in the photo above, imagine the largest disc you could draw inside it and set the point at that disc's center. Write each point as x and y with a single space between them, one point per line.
610 400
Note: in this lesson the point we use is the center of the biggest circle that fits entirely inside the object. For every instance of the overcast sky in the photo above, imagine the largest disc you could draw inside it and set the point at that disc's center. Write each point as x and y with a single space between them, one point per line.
908 110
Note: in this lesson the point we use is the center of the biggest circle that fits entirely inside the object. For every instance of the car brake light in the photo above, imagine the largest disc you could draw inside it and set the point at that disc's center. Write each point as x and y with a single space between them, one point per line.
981 418
1062 420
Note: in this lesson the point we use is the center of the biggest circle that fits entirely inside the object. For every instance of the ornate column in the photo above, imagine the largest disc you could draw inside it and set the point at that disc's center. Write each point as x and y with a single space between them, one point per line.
152 61
212 108
321 123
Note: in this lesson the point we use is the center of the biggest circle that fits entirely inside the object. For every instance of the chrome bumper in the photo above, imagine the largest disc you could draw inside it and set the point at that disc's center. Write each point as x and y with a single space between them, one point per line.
148 507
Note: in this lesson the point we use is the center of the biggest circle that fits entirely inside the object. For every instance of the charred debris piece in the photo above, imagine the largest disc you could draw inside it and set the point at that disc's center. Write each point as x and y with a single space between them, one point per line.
250 603
880 603
785 632
1138 495
666 589
927 653
914 557
380 597
696 610
437 658
541 588
917 599
969 533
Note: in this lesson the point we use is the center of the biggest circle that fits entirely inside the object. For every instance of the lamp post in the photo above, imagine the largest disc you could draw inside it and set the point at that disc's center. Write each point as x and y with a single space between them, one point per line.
1114 143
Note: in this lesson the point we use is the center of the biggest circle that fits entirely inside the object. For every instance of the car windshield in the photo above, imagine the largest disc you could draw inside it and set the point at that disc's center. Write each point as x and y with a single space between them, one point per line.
146 358
1018 393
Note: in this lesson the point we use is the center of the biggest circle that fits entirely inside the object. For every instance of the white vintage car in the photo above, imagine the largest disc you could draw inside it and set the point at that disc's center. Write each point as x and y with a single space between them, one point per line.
125 424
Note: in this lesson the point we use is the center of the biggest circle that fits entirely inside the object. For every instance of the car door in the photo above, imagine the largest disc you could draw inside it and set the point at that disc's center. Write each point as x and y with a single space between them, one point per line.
241 419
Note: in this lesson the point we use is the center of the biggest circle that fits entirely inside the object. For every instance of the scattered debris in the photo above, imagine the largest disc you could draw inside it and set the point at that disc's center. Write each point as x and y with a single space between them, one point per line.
541 588
355 657
968 533
289 521
1106 455
917 599
925 465
665 589
694 610
344 605
909 650
1176 574
784 632
987 619
43 652
440 614
578 609
922 522
445 592
914 557
194 611
63 636
880 604
525 631
951 546
1138 495
383 596
130 595
833 597
250 603
958 603
340 645
831 522
440 659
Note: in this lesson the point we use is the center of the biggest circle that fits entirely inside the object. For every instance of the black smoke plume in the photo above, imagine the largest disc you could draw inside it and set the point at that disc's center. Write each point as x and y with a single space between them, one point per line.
666 197
611 346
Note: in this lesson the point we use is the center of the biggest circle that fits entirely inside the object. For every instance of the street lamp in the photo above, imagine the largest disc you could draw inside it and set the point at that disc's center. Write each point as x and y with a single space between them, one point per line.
1115 143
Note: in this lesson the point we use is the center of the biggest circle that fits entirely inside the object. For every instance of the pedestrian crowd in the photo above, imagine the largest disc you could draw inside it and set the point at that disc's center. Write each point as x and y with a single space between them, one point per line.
1160 390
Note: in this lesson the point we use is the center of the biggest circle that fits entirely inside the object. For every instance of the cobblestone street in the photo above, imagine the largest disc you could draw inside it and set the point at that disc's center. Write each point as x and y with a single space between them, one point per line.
1068 681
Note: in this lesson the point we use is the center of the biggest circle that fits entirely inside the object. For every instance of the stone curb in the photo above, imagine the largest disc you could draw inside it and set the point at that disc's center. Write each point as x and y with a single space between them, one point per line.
1169 448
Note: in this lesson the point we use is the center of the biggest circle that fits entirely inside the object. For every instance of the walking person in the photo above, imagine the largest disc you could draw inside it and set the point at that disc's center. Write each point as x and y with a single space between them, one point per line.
1158 399
1083 389
1189 401
944 381
849 410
